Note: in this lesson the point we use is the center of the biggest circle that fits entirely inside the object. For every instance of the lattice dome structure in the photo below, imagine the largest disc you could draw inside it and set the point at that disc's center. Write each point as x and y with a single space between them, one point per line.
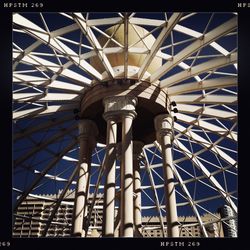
140 108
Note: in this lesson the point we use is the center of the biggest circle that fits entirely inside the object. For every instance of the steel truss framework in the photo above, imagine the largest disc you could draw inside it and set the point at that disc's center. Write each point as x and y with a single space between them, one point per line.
53 69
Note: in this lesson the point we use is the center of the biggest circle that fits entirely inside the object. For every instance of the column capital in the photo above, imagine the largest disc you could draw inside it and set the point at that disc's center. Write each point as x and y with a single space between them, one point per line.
163 125
115 107
87 127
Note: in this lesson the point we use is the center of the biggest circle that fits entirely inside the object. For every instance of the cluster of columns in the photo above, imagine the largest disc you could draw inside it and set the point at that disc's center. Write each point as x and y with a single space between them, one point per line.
121 110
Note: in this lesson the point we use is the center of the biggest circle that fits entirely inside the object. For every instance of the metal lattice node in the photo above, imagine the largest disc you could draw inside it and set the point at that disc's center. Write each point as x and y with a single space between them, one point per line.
133 113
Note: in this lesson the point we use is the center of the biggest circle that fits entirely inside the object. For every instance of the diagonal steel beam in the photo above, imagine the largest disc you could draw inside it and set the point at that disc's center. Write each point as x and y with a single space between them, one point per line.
58 202
41 97
79 19
199 69
204 170
188 196
191 201
63 70
207 111
32 112
201 42
98 182
207 125
43 144
155 192
54 43
104 21
42 126
34 81
25 52
158 42
221 82
205 143
43 173
207 99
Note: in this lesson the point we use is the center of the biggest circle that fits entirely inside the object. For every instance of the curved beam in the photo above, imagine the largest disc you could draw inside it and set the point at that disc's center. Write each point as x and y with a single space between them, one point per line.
58 202
77 78
201 177
43 144
206 111
198 69
17 56
42 126
41 97
42 197
190 200
207 99
201 42
43 173
42 82
221 82
193 33
155 192
79 19
208 126
104 21
27 113
27 97
205 143
54 43
174 19
211 179
63 70
32 112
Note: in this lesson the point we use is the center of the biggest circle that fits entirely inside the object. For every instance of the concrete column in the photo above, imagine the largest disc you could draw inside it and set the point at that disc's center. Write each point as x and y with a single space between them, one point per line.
87 134
164 134
119 194
109 192
123 108
137 149
127 158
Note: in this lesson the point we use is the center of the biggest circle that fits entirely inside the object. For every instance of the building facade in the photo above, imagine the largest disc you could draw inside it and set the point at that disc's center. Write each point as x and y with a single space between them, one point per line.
39 208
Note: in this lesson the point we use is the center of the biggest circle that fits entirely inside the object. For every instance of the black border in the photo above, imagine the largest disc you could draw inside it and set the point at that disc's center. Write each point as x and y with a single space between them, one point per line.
110 5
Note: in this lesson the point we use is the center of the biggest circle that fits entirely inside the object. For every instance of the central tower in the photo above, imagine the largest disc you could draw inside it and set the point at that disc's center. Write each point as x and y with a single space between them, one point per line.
128 112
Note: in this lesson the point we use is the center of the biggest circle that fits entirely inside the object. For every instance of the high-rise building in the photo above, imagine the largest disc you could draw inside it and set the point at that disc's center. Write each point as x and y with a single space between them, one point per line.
229 221
32 216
